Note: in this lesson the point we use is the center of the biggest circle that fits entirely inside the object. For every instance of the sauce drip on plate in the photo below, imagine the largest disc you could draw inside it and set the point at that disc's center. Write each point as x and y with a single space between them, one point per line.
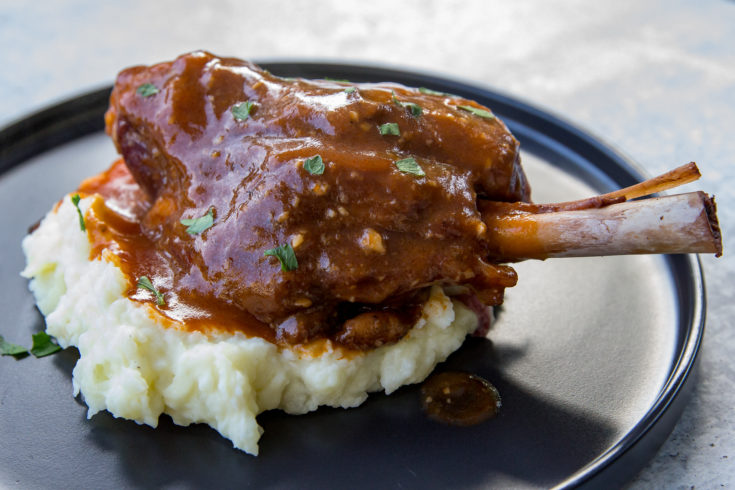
458 398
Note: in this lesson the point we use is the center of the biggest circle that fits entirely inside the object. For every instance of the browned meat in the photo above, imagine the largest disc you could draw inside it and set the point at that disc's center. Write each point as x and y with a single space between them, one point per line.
363 231
329 207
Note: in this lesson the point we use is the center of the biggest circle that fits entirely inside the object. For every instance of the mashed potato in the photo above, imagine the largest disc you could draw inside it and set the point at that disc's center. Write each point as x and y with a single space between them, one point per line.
136 368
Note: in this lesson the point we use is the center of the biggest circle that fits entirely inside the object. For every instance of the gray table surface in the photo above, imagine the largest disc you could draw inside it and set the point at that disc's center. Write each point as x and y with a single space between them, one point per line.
655 79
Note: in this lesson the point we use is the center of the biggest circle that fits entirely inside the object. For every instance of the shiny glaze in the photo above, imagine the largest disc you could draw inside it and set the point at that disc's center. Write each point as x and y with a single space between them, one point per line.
458 398
364 233
113 226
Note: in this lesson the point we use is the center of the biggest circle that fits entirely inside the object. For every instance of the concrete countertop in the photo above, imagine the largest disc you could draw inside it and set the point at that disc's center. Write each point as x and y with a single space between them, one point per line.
655 79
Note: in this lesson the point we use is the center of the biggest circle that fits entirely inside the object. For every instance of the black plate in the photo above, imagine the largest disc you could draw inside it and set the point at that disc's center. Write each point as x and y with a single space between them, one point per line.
593 357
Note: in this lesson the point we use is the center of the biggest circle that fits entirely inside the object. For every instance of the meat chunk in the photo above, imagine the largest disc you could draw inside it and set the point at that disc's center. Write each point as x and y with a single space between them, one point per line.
384 210
370 330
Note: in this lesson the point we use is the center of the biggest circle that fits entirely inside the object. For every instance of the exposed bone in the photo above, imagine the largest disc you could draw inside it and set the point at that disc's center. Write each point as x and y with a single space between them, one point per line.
668 180
683 223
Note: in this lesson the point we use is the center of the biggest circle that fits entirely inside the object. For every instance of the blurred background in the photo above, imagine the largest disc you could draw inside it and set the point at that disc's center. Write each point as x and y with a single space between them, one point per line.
656 79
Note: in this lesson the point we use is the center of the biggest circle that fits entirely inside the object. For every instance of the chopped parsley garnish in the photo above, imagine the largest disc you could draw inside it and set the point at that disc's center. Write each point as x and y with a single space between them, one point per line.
477 112
409 166
147 89
428 91
43 345
285 256
314 165
198 225
339 80
389 129
350 90
414 109
10 349
242 111
146 283
75 201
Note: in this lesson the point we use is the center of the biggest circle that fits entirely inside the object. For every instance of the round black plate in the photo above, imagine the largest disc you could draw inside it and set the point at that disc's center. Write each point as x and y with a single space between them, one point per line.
593 357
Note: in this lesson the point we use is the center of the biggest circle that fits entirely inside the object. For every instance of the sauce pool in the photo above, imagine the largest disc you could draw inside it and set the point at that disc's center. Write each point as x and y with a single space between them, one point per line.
461 399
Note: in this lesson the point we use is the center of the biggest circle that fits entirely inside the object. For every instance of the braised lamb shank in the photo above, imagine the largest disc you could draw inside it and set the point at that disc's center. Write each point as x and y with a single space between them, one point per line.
389 207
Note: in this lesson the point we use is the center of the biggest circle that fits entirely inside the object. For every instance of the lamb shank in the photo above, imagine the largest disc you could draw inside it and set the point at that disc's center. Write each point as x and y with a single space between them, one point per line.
322 208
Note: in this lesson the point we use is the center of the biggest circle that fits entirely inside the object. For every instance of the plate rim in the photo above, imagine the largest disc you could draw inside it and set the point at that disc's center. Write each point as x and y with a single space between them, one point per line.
78 115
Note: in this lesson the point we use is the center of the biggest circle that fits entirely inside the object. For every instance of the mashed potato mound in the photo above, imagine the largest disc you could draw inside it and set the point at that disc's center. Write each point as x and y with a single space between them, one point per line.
136 368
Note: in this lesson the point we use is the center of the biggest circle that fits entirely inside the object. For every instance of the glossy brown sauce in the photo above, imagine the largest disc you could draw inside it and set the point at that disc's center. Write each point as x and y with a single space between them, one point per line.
512 235
458 398
114 228
369 238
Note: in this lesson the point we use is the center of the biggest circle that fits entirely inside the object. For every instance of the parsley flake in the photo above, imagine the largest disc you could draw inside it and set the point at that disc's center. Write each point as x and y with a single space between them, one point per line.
477 112
314 165
43 345
198 225
409 166
285 256
10 349
75 201
350 90
389 129
428 91
146 283
242 111
147 89
414 109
